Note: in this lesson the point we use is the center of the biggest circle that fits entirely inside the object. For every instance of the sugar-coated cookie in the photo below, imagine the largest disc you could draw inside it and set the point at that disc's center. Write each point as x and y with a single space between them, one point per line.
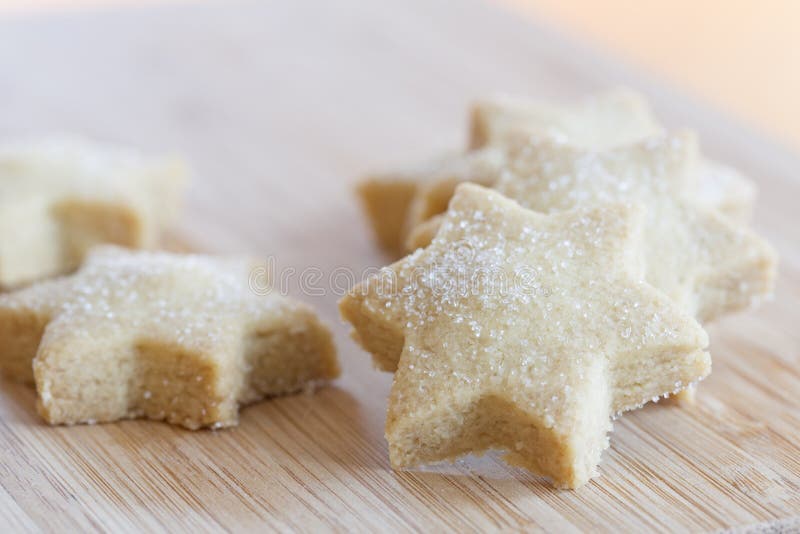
397 203
524 332
707 263
607 120
180 338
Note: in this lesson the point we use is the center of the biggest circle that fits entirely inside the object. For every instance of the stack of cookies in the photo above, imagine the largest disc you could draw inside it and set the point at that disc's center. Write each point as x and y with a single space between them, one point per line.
558 273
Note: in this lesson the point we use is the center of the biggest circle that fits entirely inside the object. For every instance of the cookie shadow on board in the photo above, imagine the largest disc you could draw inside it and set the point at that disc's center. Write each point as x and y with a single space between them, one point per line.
326 426
330 417
18 403
488 467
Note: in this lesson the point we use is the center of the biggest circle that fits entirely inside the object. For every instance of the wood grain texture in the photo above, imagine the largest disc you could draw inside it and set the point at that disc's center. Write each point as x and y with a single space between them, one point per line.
281 106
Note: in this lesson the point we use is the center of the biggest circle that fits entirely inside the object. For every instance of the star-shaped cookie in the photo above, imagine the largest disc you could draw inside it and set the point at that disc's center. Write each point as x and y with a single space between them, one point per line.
607 120
60 196
397 203
705 262
180 338
523 332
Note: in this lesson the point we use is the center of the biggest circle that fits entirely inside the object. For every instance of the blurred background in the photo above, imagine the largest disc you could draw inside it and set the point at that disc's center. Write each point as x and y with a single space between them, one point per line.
741 56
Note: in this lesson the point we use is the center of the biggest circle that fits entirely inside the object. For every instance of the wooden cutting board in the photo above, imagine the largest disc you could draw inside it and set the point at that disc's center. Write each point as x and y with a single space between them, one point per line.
280 106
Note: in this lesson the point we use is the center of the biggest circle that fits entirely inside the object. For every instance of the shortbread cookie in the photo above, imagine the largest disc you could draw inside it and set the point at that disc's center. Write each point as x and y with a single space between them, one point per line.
706 263
522 332
180 338
58 197
387 199
719 187
608 120
397 203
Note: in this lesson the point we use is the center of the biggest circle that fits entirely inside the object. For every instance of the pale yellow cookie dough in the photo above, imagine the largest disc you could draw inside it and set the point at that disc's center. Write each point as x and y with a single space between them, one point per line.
60 196
522 332
179 338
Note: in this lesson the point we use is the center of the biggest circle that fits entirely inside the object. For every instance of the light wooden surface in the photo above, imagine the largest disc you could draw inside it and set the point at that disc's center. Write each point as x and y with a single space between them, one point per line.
281 106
